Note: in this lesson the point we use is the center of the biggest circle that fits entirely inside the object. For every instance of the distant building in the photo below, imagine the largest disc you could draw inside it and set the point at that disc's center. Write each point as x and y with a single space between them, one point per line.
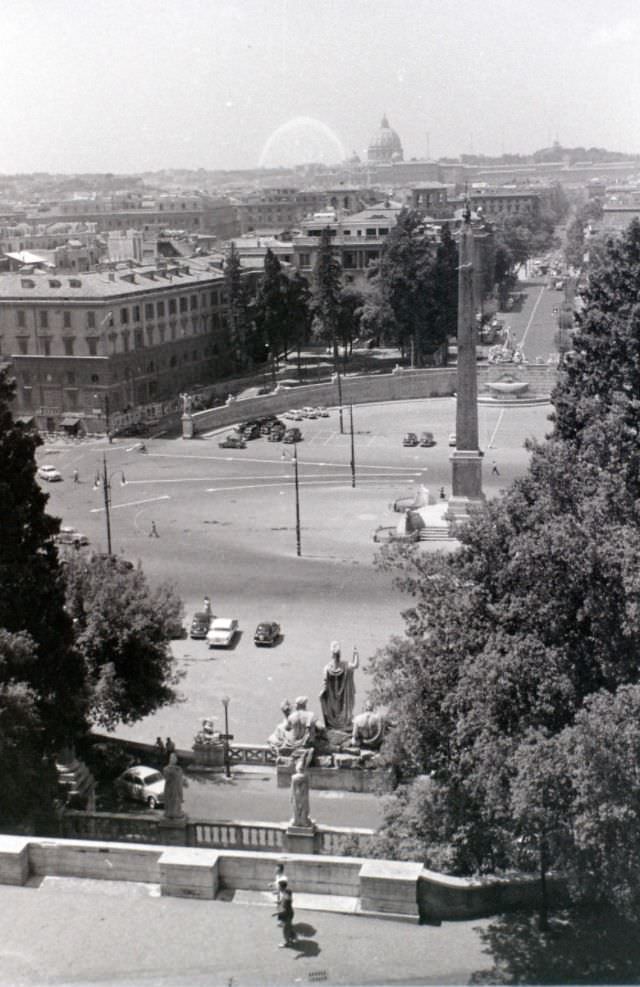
276 208
357 239
385 145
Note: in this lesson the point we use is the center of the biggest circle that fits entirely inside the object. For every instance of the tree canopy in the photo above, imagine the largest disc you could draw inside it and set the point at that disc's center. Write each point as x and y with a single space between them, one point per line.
524 641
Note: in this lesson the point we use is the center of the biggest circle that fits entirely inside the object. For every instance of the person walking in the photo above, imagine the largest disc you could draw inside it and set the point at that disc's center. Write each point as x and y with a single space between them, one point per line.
494 469
285 913
154 531
76 476
169 747
277 877
161 754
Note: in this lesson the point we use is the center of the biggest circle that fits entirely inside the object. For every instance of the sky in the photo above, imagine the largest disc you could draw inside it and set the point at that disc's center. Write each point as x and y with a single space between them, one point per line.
140 85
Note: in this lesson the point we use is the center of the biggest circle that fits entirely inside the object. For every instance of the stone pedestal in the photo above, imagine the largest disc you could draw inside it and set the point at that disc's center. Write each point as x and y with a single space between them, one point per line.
173 832
187 427
301 839
390 886
466 482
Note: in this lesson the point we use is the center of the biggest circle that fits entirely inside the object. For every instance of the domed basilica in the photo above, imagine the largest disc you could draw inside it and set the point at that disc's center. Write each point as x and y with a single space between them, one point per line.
385 145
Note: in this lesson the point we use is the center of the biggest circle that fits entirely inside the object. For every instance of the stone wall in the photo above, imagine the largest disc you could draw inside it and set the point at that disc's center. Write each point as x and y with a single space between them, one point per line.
399 385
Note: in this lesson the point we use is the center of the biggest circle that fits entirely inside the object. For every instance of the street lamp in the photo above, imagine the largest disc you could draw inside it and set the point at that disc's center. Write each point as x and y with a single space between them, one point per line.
353 451
339 380
105 395
226 736
103 480
297 489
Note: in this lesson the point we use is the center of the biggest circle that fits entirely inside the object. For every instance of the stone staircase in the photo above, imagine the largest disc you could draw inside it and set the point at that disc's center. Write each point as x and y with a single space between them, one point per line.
436 532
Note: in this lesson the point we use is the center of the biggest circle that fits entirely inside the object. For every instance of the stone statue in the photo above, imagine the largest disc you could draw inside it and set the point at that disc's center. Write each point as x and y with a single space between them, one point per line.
174 782
338 694
187 403
280 736
368 728
300 796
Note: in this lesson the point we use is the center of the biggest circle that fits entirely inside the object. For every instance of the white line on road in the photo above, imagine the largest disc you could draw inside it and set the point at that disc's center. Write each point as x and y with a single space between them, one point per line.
333 481
495 431
130 503
271 462
531 317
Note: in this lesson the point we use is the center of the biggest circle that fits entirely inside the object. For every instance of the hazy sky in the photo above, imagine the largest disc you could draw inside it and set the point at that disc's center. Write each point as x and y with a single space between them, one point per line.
133 85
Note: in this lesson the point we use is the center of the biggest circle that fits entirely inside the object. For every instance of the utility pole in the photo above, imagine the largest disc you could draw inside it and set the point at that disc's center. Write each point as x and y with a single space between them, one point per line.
353 451
339 395
297 489
106 490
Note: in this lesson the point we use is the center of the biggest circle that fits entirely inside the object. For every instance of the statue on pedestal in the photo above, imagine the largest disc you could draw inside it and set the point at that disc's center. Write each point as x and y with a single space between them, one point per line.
174 783
280 736
338 694
187 403
300 796
368 728
297 733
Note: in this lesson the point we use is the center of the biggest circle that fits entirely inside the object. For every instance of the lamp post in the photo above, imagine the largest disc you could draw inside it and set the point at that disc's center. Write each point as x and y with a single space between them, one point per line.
339 379
353 450
297 489
226 737
105 403
103 479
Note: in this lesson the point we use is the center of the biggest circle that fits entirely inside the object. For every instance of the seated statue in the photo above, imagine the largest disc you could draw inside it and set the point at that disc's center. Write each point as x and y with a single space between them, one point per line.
295 736
368 728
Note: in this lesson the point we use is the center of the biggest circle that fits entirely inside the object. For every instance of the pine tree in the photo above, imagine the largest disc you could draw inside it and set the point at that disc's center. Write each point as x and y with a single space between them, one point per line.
326 293
271 309
237 312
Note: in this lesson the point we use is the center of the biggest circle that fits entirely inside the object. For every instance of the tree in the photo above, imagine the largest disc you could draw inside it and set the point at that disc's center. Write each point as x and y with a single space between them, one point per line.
351 301
446 285
122 630
32 586
270 318
298 313
327 290
238 321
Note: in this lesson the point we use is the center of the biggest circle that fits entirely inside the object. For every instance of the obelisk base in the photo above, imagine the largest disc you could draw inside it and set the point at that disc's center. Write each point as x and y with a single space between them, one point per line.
466 483
173 832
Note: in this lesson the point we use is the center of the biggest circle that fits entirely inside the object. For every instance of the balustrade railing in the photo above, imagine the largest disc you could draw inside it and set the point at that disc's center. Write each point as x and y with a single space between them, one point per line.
251 754
115 827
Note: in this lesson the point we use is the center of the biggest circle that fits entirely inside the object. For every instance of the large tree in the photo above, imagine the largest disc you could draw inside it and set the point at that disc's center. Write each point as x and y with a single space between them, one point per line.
123 630
327 289
525 639
239 324
31 583
270 314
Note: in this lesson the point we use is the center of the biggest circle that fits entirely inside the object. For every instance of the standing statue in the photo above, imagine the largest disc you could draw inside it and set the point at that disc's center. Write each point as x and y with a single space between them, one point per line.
368 728
338 694
300 796
187 403
174 783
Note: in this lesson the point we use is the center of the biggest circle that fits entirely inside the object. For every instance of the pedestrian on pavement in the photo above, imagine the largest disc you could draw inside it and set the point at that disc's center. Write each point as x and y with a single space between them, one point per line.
154 531
161 753
76 476
278 876
169 748
285 913
443 495
494 469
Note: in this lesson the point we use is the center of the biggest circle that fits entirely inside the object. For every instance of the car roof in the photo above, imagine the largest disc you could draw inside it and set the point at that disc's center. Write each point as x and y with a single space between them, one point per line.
141 769
221 622
201 615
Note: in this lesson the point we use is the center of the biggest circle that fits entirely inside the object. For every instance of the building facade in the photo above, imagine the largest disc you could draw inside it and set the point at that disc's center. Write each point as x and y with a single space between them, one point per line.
97 345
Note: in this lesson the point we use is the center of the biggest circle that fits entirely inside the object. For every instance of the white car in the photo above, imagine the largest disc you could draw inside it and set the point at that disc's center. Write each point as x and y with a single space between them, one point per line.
48 472
309 413
69 536
222 632
294 415
452 438
142 784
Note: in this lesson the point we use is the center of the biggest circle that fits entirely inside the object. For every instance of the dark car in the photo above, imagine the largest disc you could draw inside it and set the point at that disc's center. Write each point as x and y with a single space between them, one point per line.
267 424
251 431
293 435
200 624
410 439
267 634
427 440
233 442
277 432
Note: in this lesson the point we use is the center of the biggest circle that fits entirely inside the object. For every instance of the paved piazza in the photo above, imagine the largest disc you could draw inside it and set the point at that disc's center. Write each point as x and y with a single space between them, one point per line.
226 520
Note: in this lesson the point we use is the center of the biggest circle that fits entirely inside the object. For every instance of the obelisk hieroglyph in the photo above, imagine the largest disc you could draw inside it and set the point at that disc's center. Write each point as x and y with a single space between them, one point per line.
466 460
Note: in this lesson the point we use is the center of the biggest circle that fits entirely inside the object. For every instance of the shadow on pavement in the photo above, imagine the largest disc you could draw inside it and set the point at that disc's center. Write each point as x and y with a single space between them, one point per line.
582 947
304 945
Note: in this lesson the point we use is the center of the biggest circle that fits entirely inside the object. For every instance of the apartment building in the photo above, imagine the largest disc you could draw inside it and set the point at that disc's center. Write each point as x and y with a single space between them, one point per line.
88 348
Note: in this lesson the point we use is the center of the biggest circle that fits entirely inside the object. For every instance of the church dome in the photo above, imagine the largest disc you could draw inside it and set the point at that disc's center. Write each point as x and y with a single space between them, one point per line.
385 144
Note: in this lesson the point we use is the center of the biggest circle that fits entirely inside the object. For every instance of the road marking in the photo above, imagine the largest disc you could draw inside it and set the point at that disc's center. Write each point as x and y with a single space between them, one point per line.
272 462
312 482
531 317
495 431
130 503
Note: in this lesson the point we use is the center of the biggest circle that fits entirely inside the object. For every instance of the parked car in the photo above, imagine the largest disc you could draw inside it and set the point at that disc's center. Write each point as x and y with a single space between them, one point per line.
200 624
427 440
49 473
452 438
69 536
309 413
322 412
410 439
292 435
268 423
267 634
233 442
141 784
277 432
251 431
222 632
294 415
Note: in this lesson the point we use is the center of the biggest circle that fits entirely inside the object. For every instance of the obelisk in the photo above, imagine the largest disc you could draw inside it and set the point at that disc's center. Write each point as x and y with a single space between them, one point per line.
466 460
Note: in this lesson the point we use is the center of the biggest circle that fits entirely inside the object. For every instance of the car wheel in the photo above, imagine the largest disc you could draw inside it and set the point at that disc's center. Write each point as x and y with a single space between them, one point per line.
151 802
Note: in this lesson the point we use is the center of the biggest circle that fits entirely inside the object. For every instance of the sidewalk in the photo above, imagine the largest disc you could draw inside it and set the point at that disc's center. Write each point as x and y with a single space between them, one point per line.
81 932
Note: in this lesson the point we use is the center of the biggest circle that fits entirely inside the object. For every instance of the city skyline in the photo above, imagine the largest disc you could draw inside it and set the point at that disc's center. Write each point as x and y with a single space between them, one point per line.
121 87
